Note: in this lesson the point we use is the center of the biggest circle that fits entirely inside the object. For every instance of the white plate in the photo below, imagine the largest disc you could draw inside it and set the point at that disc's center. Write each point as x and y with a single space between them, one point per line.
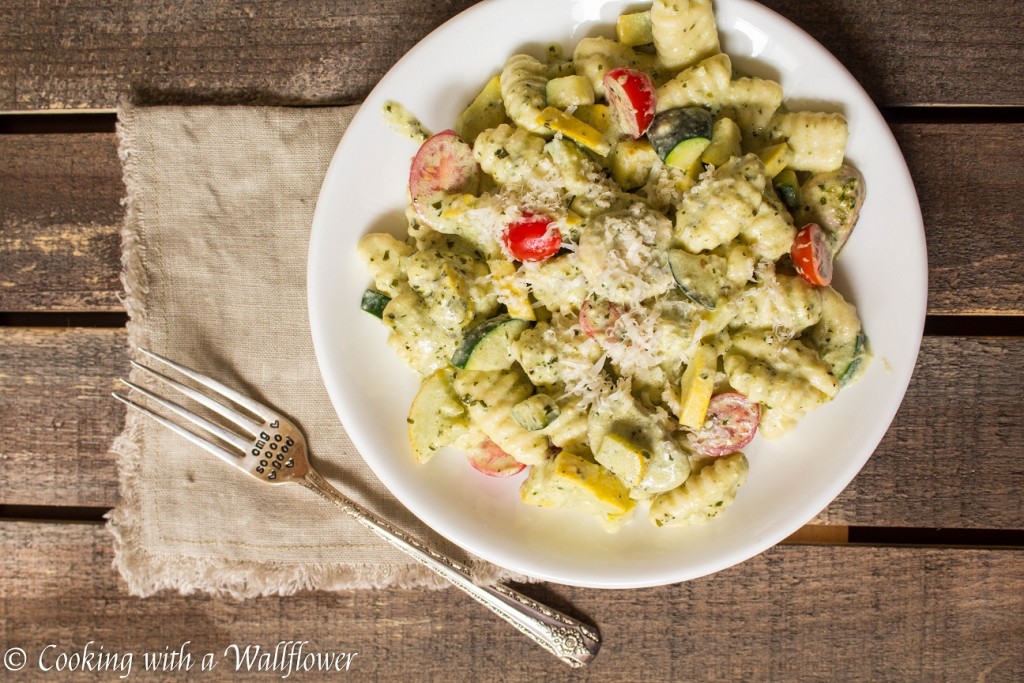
882 270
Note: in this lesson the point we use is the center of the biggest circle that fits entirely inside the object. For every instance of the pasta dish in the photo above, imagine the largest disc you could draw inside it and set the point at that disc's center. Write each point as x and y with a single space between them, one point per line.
616 271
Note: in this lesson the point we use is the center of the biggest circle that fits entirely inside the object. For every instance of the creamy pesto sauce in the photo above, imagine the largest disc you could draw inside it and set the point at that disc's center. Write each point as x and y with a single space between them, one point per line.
780 343
402 121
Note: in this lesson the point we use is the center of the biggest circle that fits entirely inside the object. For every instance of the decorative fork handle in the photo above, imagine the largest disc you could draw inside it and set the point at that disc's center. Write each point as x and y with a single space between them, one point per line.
573 642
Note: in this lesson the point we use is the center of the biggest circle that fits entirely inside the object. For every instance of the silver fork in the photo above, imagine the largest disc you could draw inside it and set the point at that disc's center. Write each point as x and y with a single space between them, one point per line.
273 450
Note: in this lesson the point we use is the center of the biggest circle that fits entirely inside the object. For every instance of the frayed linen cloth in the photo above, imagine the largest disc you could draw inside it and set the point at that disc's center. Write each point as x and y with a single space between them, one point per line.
219 208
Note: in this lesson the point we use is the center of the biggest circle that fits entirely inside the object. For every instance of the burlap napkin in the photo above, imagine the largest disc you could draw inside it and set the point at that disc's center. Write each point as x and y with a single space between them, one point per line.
219 207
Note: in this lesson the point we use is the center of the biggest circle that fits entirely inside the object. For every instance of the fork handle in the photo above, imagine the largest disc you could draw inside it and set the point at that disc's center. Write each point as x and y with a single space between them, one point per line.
570 640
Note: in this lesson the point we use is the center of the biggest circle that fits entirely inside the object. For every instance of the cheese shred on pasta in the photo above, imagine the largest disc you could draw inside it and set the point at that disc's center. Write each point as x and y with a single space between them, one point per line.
655 287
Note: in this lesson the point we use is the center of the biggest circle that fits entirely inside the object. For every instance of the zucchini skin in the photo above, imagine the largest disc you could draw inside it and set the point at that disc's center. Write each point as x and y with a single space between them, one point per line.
475 336
788 188
674 126
535 412
860 355
699 276
374 303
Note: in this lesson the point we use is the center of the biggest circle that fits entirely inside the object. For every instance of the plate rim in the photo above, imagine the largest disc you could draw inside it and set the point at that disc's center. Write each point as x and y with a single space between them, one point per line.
837 484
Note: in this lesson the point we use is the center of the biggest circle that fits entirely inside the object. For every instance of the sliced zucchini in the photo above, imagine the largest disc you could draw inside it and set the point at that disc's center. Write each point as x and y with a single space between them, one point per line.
487 110
536 412
680 136
624 458
775 158
634 29
597 116
573 128
788 188
686 155
569 91
726 139
570 481
631 162
696 386
857 361
838 337
436 417
374 303
701 277
488 346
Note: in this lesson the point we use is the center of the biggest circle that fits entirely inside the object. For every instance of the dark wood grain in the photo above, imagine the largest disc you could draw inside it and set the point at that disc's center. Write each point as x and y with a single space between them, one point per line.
944 463
60 213
971 214
89 54
59 419
806 613
909 53
60 208
952 454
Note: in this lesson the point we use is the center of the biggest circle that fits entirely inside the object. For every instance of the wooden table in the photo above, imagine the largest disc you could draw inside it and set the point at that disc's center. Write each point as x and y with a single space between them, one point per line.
915 573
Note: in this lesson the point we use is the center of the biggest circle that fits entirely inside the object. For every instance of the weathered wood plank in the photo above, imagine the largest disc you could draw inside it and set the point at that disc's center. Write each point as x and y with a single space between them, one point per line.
807 613
943 463
88 54
971 214
59 420
911 53
952 454
59 212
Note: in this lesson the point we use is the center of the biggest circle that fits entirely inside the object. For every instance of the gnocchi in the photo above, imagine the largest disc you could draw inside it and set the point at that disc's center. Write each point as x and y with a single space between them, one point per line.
591 303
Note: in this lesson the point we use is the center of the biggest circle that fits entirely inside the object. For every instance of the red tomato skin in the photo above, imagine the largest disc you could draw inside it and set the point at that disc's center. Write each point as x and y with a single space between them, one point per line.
444 164
632 96
733 422
490 459
811 255
599 319
533 238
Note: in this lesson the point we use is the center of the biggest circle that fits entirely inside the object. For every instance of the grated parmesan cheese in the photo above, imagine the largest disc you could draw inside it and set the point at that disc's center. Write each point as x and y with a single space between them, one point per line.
610 331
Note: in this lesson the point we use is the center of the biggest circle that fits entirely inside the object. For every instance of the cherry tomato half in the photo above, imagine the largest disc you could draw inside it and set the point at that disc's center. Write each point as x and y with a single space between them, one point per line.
490 459
533 238
443 165
597 318
730 425
631 94
811 255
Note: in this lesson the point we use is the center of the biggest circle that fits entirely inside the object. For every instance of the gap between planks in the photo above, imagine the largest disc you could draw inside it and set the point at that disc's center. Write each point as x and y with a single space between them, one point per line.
76 121
935 325
810 534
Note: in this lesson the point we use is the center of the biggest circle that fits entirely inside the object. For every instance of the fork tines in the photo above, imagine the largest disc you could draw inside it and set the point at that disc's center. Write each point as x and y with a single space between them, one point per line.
248 425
